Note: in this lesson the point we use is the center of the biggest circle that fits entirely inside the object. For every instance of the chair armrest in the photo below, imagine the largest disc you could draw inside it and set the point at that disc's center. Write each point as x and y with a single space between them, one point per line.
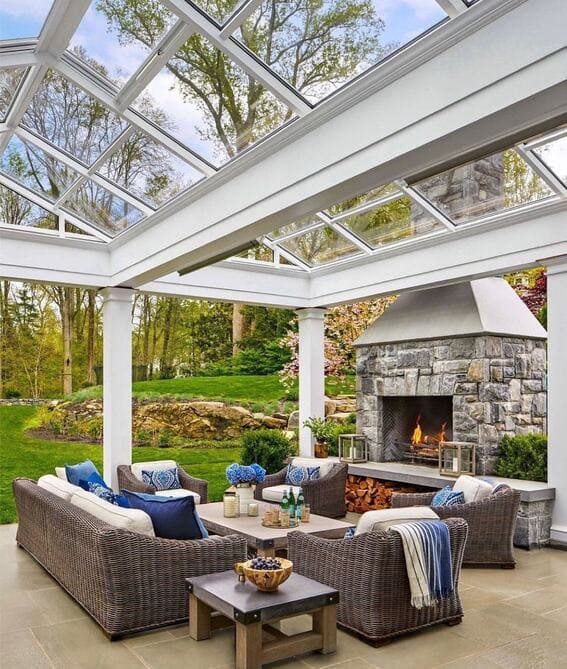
401 499
200 486
127 481
271 479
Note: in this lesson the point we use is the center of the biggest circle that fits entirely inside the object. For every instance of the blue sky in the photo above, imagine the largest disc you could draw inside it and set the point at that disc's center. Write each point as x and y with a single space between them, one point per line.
22 18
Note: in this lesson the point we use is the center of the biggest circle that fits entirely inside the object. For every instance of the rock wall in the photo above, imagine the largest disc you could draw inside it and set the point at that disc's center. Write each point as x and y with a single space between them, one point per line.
498 386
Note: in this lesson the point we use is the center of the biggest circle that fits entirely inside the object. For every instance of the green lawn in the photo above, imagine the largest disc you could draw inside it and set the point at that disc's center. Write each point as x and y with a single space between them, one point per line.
21 455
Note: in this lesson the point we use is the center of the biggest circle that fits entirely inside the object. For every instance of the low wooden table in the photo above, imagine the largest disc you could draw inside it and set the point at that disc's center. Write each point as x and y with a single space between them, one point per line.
266 540
258 643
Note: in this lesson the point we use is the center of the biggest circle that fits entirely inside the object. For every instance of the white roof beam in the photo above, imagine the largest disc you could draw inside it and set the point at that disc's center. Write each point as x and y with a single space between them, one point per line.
61 23
239 55
18 56
452 7
238 18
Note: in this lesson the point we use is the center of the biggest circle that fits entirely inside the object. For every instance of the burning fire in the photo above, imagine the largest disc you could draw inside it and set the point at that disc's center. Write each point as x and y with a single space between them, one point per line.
418 437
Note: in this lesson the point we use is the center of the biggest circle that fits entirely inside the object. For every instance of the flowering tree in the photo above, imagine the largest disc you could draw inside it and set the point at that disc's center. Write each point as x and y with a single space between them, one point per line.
343 325
531 287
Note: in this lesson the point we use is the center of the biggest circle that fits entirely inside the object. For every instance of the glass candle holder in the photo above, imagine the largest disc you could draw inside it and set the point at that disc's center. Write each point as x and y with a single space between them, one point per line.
231 505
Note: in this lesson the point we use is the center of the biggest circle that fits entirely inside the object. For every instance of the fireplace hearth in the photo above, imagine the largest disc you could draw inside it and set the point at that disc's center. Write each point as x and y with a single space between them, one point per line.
464 362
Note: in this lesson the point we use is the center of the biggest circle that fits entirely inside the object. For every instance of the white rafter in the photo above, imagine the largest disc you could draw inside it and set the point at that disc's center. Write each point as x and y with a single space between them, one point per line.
238 17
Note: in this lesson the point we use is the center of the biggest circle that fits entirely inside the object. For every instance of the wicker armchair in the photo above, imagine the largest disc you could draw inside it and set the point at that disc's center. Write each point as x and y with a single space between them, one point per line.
491 524
369 571
127 480
325 495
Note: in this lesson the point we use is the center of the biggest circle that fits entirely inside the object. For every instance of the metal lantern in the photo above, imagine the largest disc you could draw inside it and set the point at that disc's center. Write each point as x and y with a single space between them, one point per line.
353 448
456 458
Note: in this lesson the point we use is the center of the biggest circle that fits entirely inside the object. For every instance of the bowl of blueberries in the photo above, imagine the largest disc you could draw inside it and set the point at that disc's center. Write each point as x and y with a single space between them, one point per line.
267 573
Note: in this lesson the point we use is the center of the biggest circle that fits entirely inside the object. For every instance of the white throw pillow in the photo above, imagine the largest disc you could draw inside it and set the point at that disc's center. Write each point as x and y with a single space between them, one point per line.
179 492
473 489
385 518
324 465
156 466
61 473
61 488
134 520
275 493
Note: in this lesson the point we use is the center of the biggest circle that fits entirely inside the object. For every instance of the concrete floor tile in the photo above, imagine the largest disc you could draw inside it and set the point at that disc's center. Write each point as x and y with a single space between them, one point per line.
477 598
559 616
57 604
22 615
507 582
20 649
536 651
181 653
147 638
548 599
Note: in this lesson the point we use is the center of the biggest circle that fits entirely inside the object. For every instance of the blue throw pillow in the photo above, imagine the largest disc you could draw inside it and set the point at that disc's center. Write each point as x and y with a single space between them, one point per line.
172 517
95 477
349 533
80 472
162 479
297 475
447 497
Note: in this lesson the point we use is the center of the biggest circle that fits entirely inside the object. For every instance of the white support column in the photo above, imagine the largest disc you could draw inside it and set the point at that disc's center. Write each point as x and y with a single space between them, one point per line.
117 384
557 393
311 372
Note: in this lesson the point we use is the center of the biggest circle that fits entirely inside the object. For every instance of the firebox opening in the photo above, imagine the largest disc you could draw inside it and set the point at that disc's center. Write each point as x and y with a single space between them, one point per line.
414 426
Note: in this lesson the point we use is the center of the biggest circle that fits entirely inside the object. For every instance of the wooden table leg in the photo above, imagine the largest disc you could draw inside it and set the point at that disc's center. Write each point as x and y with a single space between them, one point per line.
266 552
325 623
199 619
249 646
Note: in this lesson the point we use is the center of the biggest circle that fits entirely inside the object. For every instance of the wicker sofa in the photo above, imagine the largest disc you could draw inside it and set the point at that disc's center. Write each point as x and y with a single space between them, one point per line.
127 582
325 495
129 481
369 571
491 524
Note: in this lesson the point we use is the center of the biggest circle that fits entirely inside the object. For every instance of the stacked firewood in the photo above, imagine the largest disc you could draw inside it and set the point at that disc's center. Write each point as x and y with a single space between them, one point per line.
364 493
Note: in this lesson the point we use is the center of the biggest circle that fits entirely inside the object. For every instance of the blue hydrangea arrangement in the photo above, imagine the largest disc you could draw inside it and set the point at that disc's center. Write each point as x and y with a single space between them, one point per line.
237 474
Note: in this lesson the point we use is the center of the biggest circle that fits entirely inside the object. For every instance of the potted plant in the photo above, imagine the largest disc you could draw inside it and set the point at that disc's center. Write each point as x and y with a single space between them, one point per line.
322 431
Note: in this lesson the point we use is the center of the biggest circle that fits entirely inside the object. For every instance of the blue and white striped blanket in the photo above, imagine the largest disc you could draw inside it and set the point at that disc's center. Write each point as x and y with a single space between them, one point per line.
427 550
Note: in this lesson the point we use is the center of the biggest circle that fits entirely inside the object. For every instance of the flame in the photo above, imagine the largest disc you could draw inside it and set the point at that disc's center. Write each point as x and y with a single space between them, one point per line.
416 435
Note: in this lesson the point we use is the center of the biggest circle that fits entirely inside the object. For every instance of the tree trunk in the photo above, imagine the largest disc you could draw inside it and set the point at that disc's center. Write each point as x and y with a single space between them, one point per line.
67 327
4 330
237 326
163 362
91 376
146 317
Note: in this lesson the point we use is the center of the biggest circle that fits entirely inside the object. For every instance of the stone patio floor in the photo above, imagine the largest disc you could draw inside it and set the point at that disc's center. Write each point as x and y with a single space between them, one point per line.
513 619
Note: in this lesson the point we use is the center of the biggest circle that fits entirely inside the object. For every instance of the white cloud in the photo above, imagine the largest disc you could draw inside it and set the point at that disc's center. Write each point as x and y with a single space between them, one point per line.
32 9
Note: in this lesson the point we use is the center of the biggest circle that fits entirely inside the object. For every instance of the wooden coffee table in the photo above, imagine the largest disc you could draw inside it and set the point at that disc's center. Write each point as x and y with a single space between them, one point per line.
257 642
266 540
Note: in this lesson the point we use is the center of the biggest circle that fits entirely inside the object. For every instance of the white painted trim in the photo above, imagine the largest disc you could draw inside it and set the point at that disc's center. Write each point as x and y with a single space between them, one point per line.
238 17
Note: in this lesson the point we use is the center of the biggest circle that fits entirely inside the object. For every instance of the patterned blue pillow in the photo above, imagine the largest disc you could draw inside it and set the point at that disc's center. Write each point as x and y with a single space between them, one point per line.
107 494
162 479
448 497
297 475
349 533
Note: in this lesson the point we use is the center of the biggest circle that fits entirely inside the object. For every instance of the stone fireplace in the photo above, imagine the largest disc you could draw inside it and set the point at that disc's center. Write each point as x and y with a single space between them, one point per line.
464 362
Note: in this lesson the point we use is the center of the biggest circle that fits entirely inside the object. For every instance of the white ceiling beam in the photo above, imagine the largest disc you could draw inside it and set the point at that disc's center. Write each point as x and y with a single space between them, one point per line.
239 55
238 18
161 53
61 23
452 7
483 99
18 56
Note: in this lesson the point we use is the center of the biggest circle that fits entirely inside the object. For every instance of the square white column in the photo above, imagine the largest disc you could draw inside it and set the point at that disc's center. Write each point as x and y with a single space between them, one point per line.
311 373
557 393
117 382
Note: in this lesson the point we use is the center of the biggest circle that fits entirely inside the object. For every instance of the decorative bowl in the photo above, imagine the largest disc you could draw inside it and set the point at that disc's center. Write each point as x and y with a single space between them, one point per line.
268 580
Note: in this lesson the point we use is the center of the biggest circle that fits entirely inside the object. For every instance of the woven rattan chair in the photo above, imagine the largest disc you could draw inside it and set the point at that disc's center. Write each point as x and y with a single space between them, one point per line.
128 481
491 524
369 571
128 582
325 495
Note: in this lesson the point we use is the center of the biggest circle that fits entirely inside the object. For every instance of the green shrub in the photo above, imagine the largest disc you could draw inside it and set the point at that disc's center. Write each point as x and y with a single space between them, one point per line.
12 394
269 448
267 358
143 437
523 457
542 316
165 438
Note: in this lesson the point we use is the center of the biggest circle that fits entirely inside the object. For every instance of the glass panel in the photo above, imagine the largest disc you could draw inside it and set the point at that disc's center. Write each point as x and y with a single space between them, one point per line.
319 45
363 198
554 155
69 227
110 29
36 169
100 207
19 18
320 246
303 223
259 252
210 104
71 119
147 170
220 10
17 210
486 186
10 79
392 222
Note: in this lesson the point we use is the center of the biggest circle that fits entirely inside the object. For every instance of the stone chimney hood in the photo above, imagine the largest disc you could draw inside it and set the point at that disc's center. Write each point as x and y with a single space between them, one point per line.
481 307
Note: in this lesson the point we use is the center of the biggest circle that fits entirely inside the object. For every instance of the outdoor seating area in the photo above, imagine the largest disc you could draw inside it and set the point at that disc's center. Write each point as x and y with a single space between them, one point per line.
283 303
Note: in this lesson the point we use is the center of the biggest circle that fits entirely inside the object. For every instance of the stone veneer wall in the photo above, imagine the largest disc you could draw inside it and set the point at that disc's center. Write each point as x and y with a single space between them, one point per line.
498 386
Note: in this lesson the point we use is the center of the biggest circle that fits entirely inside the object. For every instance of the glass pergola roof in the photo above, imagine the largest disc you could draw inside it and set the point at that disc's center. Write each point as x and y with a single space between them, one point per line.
150 98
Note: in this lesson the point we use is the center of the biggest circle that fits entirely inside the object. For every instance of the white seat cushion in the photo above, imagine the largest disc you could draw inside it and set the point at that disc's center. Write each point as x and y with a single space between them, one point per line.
385 518
324 465
275 493
179 492
156 466
133 520
473 489
61 473
61 488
